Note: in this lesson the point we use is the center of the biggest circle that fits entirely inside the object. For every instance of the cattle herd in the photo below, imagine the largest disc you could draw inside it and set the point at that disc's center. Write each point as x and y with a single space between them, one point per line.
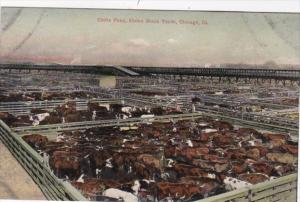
45 95
180 160
67 113
170 160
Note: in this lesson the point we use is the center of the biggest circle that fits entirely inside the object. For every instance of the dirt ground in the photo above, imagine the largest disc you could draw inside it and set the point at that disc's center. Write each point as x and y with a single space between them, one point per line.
15 183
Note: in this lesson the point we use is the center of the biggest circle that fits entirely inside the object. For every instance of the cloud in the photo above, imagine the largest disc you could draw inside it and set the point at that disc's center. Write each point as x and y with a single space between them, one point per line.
90 47
172 41
76 60
139 42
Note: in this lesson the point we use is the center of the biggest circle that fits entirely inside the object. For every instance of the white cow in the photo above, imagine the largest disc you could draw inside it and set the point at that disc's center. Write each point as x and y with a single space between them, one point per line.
119 194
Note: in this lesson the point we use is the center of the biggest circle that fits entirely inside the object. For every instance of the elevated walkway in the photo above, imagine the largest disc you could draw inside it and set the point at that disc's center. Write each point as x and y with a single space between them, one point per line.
127 71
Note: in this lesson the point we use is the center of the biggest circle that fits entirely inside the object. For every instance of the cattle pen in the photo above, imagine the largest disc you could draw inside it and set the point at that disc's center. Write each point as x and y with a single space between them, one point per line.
157 125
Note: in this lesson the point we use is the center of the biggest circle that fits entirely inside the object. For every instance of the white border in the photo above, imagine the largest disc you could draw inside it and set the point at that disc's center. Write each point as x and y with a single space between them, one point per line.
291 6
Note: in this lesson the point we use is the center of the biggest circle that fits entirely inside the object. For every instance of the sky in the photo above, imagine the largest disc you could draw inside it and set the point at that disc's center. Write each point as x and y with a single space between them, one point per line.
147 38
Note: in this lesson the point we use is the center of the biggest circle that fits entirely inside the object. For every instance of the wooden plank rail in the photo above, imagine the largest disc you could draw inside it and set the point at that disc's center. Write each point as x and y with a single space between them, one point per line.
186 116
233 101
103 123
25 107
280 189
270 122
258 118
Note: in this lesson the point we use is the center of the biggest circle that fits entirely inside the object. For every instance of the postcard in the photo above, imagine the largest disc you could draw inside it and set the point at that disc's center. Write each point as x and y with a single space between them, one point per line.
148 105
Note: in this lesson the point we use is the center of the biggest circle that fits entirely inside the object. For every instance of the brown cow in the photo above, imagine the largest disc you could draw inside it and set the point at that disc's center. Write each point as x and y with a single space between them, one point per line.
261 167
273 136
95 186
76 117
253 153
101 157
65 163
149 160
191 152
262 150
7 118
276 143
187 152
157 111
222 125
188 170
248 132
236 154
52 119
282 158
94 106
67 108
253 178
179 190
144 171
238 167
283 169
223 140
217 165
152 132
35 140
206 137
22 120
293 149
